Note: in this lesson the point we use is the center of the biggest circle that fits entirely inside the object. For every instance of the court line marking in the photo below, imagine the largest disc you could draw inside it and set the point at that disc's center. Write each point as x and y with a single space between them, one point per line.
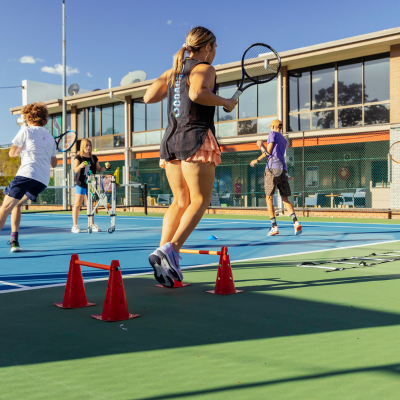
199 266
13 284
220 219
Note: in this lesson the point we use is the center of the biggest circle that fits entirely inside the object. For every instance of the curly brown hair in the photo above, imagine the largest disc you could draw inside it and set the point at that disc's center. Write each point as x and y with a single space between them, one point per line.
35 114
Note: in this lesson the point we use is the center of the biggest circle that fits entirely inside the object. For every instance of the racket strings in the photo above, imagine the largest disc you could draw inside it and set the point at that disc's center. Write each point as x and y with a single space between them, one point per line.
260 63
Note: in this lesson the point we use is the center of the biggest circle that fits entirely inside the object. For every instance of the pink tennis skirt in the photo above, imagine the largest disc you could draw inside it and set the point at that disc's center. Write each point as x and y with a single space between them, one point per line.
208 153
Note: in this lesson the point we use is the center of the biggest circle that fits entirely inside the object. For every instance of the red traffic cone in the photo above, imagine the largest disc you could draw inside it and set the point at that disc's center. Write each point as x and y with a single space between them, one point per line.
176 285
75 294
224 284
115 305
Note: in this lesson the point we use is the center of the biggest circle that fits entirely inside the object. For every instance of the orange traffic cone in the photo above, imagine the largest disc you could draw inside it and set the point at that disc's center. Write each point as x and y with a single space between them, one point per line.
176 285
224 284
115 305
75 294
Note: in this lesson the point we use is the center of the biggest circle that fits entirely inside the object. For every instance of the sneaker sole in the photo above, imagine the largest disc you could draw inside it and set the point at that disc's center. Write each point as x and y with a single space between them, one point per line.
16 250
160 274
168 265
273 234
298 231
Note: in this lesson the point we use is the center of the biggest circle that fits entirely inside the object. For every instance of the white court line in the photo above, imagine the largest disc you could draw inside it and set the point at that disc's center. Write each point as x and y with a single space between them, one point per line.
13 284
202 265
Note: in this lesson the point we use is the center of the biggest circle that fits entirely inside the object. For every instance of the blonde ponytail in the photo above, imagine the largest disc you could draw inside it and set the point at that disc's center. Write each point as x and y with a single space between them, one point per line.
196 39
177 66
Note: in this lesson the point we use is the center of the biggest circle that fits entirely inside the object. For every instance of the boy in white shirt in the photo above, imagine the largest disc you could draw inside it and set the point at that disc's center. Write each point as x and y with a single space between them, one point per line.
37 149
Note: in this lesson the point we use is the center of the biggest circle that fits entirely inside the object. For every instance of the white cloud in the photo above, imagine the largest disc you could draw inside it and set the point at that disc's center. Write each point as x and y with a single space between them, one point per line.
39 59
27 60
169 22
89 74
58 70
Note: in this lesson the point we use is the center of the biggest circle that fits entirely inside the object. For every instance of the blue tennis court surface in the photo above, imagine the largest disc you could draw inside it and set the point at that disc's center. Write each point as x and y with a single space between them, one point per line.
48 243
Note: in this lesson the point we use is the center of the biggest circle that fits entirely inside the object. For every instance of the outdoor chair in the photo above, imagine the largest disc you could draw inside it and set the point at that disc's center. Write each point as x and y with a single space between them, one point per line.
319 200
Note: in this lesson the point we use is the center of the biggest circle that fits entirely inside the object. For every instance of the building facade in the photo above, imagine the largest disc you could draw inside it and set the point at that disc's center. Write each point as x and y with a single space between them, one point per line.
340 107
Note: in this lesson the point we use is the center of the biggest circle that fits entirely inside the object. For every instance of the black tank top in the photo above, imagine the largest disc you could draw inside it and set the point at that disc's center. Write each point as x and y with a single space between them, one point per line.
185 134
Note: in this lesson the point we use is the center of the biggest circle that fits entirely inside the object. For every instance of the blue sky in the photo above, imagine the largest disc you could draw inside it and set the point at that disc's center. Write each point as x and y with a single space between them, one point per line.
110 38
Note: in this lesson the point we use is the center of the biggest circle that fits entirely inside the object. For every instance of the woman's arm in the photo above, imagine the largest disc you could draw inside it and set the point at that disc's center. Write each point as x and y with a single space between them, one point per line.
102 169
78 166
202 79
158 90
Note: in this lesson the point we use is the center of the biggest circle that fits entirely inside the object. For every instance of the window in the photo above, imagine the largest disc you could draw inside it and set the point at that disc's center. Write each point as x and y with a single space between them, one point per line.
102 121
226 90
139 116
153 116
323 87
248 103
267 98
360 84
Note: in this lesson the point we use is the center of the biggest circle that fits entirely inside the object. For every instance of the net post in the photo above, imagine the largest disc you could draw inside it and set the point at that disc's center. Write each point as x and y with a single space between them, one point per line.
145 198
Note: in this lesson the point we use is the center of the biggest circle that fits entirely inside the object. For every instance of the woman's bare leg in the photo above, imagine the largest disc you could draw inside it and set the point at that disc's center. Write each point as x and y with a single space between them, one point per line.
200 181
77 206
181 201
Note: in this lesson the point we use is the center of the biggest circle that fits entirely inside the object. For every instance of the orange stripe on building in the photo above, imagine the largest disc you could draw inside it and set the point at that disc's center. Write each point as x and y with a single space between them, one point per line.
148 154
323 141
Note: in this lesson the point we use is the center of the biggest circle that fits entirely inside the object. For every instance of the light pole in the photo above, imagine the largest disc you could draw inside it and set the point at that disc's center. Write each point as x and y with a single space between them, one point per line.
64 112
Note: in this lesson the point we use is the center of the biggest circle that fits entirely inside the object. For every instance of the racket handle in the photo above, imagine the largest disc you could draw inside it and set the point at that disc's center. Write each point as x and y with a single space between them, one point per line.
236 96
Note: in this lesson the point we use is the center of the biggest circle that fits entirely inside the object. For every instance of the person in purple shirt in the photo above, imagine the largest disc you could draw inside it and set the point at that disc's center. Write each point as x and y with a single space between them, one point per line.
276 147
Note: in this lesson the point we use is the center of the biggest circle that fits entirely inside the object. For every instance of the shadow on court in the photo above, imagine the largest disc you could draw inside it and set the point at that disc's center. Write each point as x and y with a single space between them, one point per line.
37 332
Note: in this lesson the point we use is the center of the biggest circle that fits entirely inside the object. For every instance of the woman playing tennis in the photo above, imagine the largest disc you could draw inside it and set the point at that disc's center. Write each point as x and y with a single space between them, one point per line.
189 150
85 162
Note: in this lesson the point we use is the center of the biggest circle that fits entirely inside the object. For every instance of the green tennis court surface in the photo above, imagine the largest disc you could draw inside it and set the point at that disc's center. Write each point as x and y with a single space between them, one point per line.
296 333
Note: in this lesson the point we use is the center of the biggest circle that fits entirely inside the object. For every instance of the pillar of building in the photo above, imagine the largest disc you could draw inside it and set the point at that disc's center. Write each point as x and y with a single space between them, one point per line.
284 91
394 169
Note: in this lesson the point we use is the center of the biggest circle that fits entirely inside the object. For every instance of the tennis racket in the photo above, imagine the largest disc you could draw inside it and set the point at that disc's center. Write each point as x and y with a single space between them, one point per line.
70 139
260 63
394 152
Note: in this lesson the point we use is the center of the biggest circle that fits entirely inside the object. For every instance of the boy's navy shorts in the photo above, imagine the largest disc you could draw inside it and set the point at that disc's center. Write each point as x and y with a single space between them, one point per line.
21 186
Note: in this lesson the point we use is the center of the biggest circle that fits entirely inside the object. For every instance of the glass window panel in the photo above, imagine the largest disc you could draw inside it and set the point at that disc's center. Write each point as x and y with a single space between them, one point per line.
323 119
350 82
57 125
377 114
90 121
153 116
95 144
139 116
299 90
97 116
299 122
119 141
164 113
153 137
376 78
226 91
82 123
350 117
227 129
162 133
107 120
48 126
267 98
139 139
119 118
264 124
323 87
106 142
248 127
248 102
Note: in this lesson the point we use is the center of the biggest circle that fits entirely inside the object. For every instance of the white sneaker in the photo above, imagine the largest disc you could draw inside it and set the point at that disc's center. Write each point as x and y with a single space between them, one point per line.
95 228
297 228
76 229
273 231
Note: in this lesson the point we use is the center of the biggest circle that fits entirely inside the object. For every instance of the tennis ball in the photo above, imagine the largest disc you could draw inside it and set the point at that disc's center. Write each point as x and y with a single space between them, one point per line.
107 164
86 163
95 150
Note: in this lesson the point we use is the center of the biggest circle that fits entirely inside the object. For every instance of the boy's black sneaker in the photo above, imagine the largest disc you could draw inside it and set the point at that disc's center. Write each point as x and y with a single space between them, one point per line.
14 246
